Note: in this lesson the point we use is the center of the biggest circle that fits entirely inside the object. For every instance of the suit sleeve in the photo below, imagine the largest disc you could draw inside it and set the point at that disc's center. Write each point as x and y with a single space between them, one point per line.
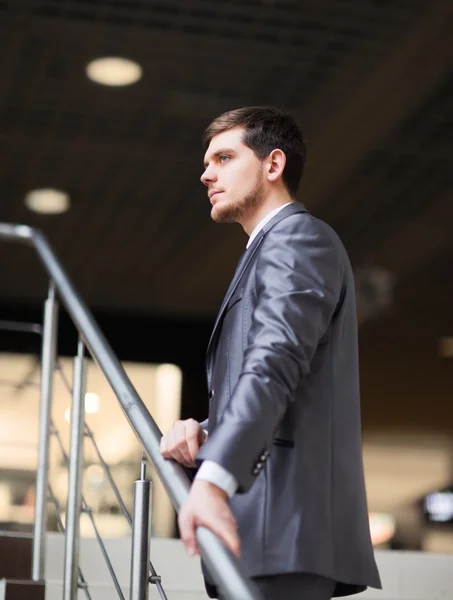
298 284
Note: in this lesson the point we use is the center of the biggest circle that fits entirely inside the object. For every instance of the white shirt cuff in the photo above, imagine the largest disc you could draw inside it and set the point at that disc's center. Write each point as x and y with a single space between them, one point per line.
217 475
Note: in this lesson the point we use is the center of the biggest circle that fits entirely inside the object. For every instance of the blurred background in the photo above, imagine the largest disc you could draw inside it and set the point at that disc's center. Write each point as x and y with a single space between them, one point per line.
102 108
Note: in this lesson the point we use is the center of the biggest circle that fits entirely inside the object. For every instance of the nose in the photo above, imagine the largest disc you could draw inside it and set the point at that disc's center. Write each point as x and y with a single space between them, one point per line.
208 175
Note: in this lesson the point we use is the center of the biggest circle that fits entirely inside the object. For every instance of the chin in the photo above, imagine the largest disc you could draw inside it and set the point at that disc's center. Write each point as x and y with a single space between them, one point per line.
223 213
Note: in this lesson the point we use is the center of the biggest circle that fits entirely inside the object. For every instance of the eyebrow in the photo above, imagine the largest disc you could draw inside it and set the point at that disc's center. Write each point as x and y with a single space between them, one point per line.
219 153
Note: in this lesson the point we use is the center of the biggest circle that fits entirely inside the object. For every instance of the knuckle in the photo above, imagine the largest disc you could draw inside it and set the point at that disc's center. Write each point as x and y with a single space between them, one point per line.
192 423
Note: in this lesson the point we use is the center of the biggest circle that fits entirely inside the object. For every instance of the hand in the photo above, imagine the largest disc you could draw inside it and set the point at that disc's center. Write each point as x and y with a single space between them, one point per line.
207 505
183 442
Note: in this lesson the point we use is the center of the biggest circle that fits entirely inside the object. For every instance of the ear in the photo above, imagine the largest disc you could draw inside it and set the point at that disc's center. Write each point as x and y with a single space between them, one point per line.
276 162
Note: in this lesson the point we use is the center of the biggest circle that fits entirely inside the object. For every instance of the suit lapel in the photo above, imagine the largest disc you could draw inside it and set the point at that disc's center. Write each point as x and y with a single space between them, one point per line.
244 261
292 208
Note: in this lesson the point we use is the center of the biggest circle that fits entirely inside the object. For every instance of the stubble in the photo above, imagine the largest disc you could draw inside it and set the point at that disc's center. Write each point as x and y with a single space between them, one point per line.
233 212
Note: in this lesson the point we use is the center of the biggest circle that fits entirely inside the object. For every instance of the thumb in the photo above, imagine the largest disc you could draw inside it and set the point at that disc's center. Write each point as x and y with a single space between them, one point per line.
202 436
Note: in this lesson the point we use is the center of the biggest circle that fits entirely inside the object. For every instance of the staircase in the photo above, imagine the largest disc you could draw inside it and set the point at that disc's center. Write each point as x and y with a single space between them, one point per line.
15 564
405 575
224 566
181 575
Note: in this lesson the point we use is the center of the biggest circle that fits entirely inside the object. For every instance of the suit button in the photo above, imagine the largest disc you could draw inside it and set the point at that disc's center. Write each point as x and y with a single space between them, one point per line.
211 395
264 456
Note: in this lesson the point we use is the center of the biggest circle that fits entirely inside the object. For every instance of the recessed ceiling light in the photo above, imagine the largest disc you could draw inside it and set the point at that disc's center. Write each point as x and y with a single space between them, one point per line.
47 201
114 71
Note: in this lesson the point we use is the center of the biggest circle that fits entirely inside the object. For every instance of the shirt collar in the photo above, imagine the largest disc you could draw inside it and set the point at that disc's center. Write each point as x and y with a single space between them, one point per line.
263 222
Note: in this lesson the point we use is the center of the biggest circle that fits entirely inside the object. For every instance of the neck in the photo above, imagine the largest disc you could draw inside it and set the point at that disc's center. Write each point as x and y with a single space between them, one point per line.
250 221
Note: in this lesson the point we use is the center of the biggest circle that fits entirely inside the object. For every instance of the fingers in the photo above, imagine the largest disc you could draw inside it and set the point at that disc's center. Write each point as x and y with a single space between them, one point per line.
192 437
181 443
225 527
168 450
186 522
225 530
202 436
207 508
176 444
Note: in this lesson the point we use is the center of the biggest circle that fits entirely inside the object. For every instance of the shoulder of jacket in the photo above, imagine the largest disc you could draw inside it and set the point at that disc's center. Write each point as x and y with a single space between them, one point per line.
300 220
303 222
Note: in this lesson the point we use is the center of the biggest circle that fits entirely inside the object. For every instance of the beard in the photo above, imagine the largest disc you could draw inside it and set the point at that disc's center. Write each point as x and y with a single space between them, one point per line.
233 211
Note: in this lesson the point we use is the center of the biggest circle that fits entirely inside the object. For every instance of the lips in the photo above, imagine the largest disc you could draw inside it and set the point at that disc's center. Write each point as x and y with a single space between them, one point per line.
214 194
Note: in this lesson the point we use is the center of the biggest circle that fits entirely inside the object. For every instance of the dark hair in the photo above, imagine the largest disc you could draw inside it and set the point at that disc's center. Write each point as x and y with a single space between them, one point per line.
266 128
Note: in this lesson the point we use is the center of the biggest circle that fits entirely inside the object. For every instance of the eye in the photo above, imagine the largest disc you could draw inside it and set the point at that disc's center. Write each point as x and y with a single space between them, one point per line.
223 158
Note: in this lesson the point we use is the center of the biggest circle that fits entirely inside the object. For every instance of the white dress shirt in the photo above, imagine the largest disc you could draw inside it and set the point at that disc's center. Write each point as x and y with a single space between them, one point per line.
210 470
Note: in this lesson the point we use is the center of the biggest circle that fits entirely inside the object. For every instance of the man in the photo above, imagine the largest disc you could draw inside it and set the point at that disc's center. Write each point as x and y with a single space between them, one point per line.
280 476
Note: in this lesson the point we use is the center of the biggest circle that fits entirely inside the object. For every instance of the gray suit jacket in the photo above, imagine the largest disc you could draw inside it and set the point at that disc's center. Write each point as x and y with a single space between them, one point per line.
284 415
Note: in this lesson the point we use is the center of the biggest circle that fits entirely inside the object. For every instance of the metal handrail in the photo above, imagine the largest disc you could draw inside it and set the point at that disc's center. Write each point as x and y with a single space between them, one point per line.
82 583
21 327
89 434
88 511
154 577
223 566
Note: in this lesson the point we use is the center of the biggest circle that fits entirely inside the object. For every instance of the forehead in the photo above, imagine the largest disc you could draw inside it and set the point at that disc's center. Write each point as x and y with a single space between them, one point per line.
232 138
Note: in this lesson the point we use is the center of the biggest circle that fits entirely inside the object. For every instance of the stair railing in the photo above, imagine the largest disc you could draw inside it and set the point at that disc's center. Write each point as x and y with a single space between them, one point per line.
223 566
142 569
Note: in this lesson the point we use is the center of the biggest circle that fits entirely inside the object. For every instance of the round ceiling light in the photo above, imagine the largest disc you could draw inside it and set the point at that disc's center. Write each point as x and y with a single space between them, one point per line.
114 71
47 201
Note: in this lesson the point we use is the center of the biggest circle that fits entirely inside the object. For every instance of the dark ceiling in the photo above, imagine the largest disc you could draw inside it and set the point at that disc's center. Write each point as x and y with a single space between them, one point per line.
370 82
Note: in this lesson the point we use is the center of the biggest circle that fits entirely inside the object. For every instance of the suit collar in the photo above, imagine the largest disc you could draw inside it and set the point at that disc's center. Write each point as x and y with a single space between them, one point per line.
294 207
263 222
290 209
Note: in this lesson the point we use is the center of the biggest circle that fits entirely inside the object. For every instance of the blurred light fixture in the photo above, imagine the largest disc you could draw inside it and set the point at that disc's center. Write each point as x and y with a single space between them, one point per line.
438 506
382 528
95 477
446 347
374 291
47 201
92 403
114 71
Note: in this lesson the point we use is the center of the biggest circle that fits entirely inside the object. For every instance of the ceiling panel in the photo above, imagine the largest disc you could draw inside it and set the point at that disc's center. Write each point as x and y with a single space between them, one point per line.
138 237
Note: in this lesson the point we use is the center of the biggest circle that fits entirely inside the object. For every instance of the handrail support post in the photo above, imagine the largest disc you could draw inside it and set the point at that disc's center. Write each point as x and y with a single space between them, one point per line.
48 352
74 503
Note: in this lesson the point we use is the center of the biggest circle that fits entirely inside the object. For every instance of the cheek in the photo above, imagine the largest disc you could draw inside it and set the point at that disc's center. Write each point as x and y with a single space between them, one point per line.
241 177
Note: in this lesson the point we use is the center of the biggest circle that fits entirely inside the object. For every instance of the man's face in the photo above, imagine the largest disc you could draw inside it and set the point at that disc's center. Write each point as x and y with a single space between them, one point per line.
234 177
